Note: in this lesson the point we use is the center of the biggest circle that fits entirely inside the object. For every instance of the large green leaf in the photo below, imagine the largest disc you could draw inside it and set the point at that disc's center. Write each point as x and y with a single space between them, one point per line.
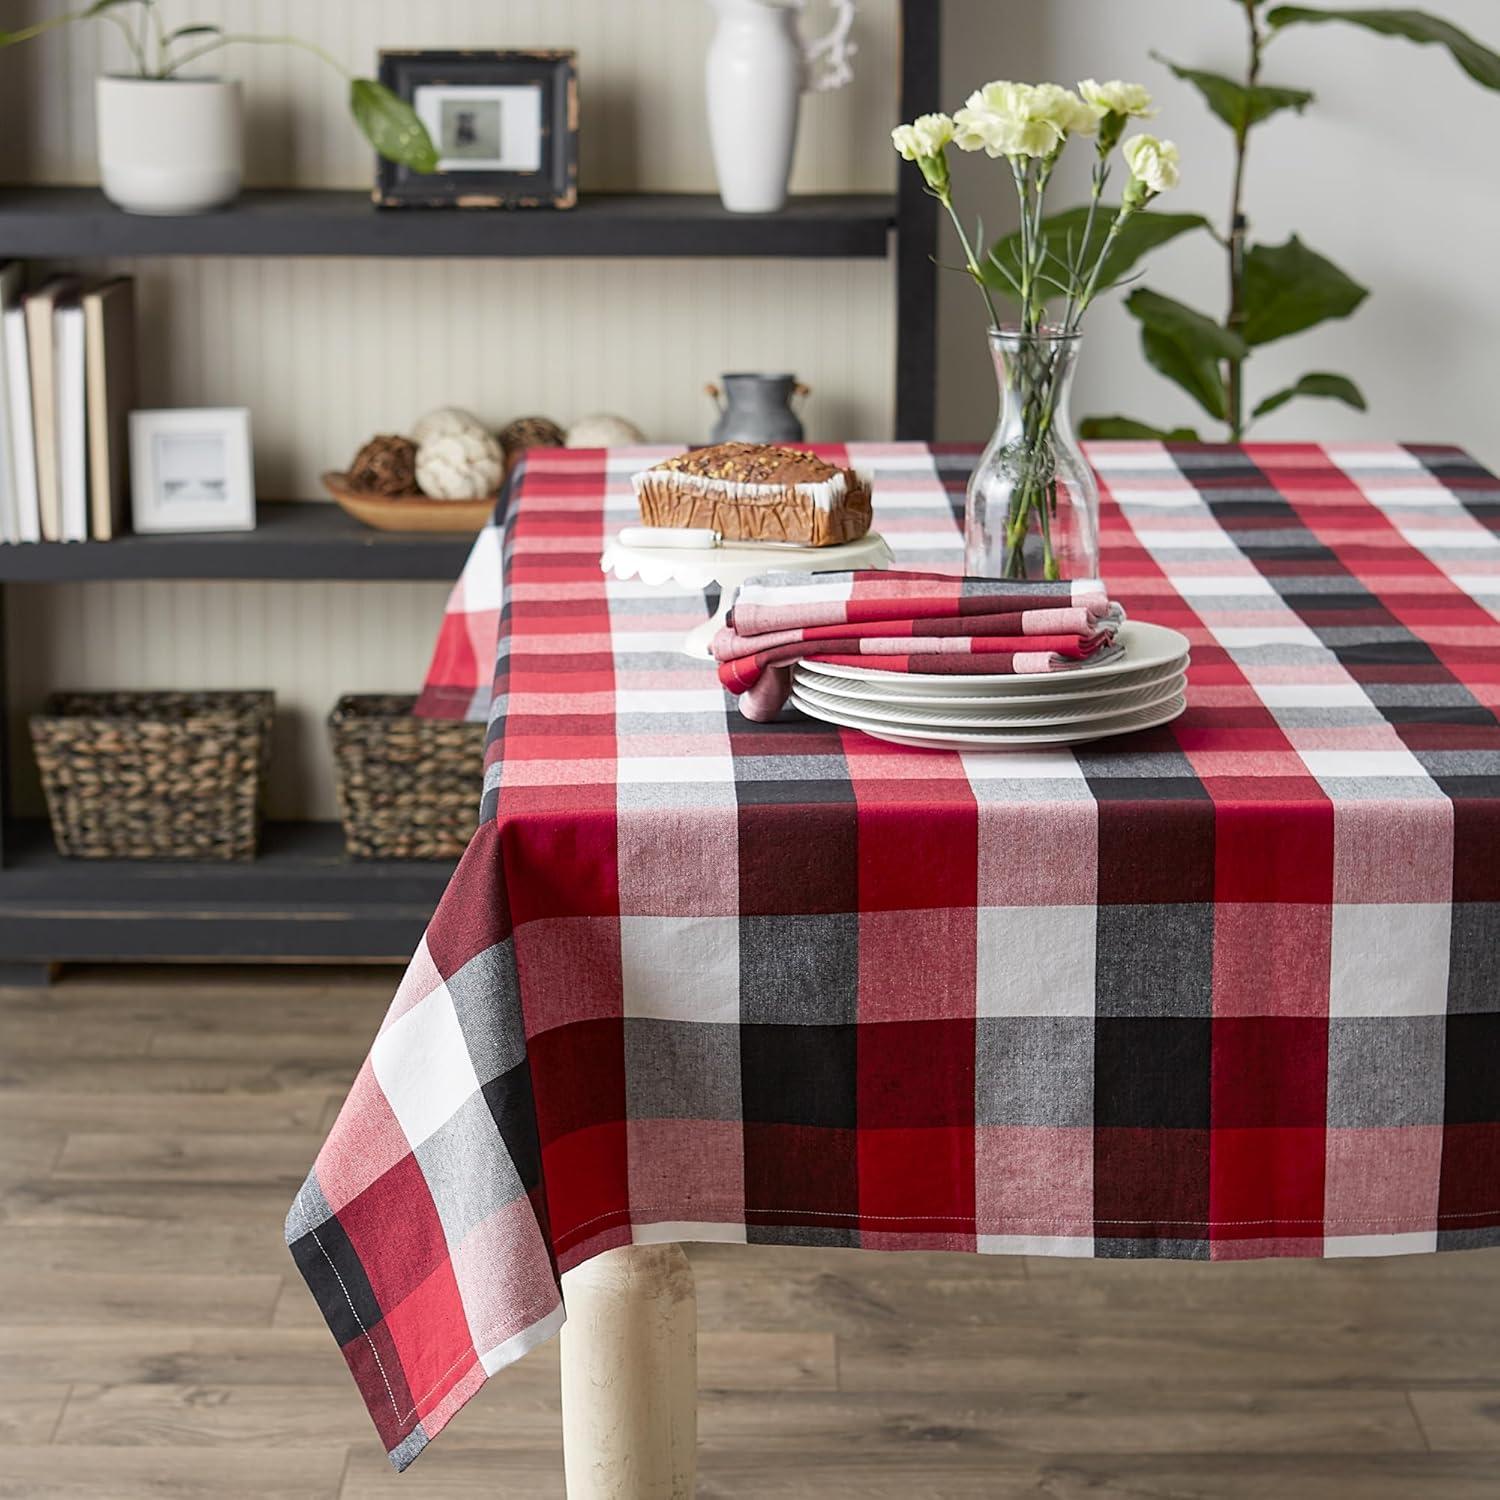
1197 374
1289 288
1417 26
1320 384
1143 233
391 125
1129 429
1238 106
1185 325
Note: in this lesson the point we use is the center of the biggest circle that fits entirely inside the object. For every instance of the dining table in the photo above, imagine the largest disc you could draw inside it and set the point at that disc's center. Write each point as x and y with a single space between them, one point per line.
1224 988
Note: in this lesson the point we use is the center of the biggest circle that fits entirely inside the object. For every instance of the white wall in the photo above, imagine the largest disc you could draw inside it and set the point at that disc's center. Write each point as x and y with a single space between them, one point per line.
1392 174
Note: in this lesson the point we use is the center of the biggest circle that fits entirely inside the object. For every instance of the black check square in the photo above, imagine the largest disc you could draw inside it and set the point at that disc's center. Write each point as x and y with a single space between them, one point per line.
800 1075
1153 1072
1473 1065
337 1280
513 1109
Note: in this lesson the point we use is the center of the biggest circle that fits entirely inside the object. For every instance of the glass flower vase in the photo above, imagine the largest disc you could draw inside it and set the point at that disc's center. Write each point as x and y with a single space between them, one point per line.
1032 508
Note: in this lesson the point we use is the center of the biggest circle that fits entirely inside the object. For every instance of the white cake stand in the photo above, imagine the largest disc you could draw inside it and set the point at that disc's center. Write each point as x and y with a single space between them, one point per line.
729 566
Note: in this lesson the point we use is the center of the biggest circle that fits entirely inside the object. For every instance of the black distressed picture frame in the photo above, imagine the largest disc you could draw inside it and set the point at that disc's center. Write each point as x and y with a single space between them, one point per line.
555 185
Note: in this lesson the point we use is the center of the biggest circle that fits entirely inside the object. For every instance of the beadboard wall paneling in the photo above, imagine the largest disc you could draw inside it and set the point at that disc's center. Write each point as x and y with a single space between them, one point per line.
640 77
308 641
325 352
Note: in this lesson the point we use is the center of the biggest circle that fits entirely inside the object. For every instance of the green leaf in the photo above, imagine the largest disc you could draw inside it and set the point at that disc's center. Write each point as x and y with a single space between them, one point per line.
1289 288
1197 374
391 126
183 31
1128 429
1321 384
1477 61
1185 325
1237 106
1143 233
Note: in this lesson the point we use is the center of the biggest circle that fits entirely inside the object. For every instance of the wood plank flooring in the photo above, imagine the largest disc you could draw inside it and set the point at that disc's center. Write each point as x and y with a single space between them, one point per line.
155 1342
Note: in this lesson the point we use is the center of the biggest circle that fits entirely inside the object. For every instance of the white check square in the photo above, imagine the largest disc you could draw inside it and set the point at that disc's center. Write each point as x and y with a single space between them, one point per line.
1390 960
423 1066
1035 961
681 968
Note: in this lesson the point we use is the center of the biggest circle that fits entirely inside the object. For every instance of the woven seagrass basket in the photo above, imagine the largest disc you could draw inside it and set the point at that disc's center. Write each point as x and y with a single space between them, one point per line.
407 788
154 775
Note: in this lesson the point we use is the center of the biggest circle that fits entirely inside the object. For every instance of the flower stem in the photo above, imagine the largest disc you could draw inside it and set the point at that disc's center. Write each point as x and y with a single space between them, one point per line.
946 199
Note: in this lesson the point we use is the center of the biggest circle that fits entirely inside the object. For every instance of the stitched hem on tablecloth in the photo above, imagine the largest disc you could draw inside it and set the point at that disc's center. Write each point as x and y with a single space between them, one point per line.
739 1215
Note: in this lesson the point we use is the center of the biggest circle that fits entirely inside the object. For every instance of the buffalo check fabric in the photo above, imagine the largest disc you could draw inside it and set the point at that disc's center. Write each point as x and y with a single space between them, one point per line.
1222 989
900 621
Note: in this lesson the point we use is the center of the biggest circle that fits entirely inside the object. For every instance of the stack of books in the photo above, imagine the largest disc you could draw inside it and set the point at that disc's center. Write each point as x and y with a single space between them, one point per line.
67 384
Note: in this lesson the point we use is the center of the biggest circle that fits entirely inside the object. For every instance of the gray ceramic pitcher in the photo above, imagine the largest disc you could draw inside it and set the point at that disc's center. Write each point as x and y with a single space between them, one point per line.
757 409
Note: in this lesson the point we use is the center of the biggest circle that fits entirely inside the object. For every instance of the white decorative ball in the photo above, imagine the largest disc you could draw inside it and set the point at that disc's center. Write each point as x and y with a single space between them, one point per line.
445 421
603 430
460 466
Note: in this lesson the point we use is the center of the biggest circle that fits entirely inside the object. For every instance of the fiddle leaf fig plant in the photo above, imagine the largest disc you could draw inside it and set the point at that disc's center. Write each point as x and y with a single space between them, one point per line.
1276 291
389 123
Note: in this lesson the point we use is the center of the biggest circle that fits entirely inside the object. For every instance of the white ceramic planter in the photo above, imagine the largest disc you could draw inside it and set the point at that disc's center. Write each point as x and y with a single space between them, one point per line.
170 145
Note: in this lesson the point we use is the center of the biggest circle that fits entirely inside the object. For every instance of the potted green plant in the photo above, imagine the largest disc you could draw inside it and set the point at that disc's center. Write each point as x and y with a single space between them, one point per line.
173 144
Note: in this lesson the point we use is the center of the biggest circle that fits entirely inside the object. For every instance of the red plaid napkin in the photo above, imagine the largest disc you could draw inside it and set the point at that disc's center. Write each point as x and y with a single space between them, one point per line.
907 622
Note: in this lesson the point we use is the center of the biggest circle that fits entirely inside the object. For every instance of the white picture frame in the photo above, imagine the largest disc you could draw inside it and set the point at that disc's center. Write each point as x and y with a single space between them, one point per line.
505 132
191 470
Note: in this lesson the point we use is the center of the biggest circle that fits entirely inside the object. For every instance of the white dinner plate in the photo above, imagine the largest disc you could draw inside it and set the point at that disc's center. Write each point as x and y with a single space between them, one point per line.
806 674
1147 648
1010 739
1021 715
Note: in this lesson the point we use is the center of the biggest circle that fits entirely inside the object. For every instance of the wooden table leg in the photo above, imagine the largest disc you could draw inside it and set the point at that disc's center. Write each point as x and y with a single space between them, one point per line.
630 1376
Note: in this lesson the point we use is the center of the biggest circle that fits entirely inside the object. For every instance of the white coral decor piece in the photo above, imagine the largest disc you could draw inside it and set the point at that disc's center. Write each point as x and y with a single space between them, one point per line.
445 421
460 466
602 430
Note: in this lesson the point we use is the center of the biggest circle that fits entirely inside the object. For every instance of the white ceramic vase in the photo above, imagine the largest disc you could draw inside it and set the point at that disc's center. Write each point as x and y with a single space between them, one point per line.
756 72
170 145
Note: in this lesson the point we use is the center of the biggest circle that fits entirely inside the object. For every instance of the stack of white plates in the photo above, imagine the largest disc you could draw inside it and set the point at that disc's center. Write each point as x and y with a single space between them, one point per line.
1142 687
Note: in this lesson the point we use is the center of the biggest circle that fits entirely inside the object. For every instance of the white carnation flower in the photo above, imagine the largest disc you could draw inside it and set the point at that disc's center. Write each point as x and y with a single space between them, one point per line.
1020 119
1156 165
1131 101
998 120
1071 115
926 136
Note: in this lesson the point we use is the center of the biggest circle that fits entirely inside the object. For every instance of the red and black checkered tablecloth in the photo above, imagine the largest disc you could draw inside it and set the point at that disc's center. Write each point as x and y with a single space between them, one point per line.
1227 988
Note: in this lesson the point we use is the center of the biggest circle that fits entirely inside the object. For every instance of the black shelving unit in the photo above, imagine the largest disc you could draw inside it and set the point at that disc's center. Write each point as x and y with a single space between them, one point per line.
70 221
291 540
302 899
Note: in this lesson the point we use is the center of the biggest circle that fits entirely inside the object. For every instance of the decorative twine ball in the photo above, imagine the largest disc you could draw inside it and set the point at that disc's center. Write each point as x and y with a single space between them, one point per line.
460 466
602 430
529 432
386 465
445 421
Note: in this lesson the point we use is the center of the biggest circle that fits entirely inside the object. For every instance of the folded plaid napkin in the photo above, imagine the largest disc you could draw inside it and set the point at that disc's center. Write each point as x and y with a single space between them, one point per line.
907 622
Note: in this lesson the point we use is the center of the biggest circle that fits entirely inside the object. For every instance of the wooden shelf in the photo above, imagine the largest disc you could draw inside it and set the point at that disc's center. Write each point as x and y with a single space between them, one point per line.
292 539
302 898
80 223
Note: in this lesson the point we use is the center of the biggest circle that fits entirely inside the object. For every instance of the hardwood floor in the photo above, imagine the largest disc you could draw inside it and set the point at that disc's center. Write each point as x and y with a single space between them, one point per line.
155 1342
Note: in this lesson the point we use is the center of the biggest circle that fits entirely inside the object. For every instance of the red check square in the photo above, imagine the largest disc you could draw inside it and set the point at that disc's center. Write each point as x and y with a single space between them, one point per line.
1267 1183
1270 1071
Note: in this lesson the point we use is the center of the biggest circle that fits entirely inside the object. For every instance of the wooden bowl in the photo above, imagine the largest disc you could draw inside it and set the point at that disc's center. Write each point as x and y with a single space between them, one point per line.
408 512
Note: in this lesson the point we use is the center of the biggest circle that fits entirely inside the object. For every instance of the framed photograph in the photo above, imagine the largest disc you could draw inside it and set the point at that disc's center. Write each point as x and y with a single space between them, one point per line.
505 125
190 470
